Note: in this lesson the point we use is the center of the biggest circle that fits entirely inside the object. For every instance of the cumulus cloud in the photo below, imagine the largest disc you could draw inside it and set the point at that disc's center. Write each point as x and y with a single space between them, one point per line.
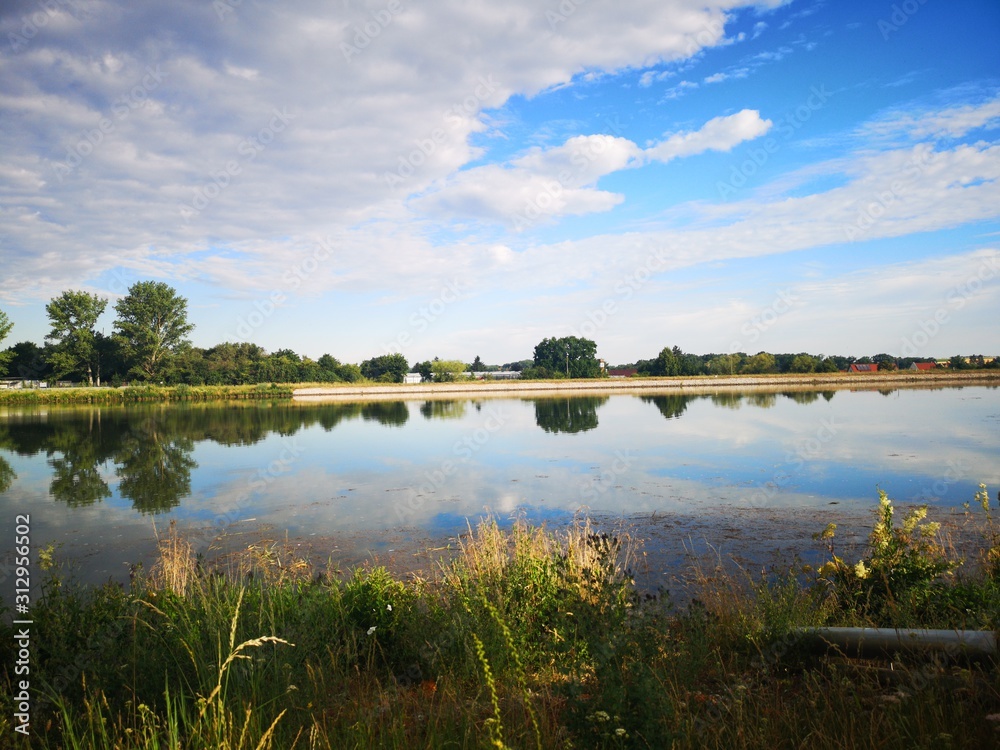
718 134
145 131
561 181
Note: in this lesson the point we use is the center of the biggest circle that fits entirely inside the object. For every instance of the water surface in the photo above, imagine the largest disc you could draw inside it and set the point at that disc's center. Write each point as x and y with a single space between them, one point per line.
99 479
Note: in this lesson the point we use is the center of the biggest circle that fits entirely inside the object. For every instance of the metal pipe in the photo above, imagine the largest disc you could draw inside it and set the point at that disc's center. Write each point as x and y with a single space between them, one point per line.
868 641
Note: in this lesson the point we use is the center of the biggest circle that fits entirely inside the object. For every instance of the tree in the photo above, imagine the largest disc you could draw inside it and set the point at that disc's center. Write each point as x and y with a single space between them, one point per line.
885 361
477 365
447 370
803 363
668 363
570 357
26 360
5 326
426 370
760 364
151 326
724 364
388 368
73 316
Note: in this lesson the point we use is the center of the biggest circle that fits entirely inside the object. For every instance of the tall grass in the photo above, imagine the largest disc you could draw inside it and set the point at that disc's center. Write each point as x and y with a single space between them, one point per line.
145 393
527 638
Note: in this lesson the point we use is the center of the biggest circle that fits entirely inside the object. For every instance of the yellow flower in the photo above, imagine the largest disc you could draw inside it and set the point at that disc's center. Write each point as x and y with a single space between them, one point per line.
860 570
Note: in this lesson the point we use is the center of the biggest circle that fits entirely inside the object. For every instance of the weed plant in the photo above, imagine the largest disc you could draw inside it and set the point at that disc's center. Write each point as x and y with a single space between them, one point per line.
527 638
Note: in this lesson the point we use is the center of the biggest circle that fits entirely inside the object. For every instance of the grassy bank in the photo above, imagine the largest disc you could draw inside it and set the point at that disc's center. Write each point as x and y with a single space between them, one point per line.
526 639
144 393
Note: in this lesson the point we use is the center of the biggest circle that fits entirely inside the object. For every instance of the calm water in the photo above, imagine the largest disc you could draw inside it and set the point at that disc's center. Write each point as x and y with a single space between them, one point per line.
97 479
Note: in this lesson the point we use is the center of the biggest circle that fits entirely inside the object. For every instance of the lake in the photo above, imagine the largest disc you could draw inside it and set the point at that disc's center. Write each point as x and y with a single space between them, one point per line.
361 479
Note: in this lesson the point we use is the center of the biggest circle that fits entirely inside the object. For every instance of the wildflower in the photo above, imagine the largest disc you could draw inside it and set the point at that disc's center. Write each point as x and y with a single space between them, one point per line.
388 607
860 570
371 630
620 731
827 569
602 716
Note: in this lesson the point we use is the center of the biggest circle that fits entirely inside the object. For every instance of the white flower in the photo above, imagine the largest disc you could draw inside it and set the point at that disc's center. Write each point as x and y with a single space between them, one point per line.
620 732
388 607
371 630
860 570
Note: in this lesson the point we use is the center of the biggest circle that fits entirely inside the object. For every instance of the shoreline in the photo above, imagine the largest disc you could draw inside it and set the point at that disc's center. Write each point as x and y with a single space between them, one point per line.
693 385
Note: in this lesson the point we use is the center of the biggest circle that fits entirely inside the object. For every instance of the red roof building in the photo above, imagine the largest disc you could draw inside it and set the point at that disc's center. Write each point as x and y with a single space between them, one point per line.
923 366
862 368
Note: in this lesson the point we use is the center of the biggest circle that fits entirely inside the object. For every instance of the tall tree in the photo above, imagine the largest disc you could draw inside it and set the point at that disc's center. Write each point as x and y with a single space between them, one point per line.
571 356
73 316
5 326
151 326
388 368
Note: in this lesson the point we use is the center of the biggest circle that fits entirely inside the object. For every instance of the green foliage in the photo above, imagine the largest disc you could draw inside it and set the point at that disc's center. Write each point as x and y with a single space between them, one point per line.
900 573
525 639
72 317
803 363
571 356
447 370
724 364
387 368
151 327
5 328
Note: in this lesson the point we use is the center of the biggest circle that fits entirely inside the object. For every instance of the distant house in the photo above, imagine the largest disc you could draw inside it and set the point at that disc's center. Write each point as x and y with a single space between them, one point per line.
923 366
412 377
622 372
862 368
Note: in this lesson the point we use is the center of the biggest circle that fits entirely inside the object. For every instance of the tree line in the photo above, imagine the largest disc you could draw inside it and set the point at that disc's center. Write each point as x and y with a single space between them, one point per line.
149 343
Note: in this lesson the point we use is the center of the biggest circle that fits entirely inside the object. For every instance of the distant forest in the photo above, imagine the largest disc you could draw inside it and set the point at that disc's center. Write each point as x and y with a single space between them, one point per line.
150 344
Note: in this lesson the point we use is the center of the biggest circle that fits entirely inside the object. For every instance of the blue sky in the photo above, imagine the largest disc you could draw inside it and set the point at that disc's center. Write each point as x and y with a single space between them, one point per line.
464 178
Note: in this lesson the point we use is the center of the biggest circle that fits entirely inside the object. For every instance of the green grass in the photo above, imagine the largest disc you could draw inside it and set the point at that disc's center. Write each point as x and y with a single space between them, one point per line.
525 639
145 393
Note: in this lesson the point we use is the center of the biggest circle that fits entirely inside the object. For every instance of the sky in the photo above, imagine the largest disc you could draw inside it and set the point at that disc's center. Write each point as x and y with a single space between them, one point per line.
460 177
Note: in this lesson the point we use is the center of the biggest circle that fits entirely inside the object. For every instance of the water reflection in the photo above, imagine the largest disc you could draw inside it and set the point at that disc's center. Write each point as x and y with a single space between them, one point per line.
577 414
672 406
149 449
7 475
444 409
154 467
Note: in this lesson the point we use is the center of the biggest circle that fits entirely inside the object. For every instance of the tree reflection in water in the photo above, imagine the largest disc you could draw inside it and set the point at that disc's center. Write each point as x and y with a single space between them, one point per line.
149 448
577 414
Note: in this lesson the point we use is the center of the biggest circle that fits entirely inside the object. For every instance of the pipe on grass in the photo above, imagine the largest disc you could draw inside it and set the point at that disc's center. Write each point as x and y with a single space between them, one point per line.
872 641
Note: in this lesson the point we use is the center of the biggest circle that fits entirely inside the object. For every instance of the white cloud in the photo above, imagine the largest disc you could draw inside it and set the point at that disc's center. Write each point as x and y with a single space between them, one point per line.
952 122
718 134
548 183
